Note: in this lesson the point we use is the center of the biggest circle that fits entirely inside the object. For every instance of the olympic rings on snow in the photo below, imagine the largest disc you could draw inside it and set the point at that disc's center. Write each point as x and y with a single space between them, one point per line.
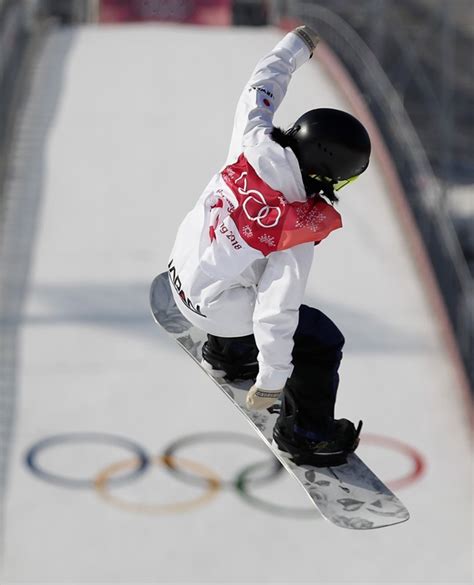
190 471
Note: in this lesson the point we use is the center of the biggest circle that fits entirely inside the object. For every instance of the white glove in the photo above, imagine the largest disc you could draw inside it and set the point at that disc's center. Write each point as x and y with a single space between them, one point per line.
308 35
260 399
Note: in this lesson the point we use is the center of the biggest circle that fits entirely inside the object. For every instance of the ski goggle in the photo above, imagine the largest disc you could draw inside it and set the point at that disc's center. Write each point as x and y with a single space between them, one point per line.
336 185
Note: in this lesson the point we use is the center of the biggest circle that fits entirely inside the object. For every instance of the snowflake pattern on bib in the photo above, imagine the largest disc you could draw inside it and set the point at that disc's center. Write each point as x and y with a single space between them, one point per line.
268 240
309 217
247 231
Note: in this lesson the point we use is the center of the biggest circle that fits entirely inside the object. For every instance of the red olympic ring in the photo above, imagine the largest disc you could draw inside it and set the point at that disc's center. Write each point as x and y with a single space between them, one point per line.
418 461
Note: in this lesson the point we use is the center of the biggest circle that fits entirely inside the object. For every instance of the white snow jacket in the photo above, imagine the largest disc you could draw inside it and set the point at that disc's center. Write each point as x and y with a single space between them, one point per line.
242 256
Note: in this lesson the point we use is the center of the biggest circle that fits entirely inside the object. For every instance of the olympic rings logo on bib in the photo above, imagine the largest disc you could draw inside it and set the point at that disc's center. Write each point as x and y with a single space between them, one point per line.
255 206
258 210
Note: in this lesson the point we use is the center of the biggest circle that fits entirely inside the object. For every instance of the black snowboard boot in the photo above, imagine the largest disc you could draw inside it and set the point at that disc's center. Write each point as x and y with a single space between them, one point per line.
230 357
323 443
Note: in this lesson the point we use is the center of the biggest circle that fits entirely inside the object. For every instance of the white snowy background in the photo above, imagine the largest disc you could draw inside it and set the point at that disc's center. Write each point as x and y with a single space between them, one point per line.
123 128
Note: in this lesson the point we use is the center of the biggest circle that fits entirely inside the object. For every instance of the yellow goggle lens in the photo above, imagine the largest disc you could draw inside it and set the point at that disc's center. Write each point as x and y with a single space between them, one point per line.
336 185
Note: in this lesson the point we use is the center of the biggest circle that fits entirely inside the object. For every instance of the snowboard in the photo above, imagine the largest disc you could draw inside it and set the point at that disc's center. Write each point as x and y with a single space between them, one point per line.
348 495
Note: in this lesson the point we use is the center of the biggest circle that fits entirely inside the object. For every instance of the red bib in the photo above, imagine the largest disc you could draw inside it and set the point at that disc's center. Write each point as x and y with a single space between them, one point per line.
267 221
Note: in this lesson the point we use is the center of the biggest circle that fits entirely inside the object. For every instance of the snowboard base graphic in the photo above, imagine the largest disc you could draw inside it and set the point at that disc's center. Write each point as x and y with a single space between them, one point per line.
349 495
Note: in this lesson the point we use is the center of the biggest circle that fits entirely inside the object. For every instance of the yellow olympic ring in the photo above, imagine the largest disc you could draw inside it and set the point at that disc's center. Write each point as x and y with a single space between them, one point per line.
102 479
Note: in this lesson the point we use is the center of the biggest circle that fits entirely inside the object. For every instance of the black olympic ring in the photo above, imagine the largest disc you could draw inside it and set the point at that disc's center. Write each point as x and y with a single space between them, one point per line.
219 437
142 458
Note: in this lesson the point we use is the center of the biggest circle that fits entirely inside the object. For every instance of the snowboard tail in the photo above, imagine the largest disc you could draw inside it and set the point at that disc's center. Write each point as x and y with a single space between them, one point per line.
348 495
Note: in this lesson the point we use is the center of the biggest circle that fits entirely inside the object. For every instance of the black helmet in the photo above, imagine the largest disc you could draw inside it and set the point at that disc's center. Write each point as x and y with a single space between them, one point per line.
330 144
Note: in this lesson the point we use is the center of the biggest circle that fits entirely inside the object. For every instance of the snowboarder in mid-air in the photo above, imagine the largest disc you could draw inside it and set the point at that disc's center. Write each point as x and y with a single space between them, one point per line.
242 257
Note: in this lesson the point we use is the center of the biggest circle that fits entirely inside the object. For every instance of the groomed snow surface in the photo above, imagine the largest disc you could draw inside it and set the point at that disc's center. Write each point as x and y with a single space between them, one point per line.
122 129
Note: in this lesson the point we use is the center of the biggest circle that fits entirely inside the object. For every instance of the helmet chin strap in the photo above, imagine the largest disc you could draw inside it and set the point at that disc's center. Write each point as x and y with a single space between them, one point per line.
315 186
327 188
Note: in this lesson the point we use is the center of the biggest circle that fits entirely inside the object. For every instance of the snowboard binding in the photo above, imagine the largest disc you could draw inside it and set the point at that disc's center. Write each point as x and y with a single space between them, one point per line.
234 358
325 445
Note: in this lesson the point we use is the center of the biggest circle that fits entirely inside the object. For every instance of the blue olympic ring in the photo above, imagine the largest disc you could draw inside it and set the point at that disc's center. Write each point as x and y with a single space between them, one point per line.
143 459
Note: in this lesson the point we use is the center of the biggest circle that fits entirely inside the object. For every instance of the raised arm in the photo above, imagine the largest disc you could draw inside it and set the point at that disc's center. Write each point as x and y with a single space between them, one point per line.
267 87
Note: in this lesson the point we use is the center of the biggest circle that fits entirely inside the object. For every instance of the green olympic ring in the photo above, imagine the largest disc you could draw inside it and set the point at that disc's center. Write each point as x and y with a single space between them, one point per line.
241 484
